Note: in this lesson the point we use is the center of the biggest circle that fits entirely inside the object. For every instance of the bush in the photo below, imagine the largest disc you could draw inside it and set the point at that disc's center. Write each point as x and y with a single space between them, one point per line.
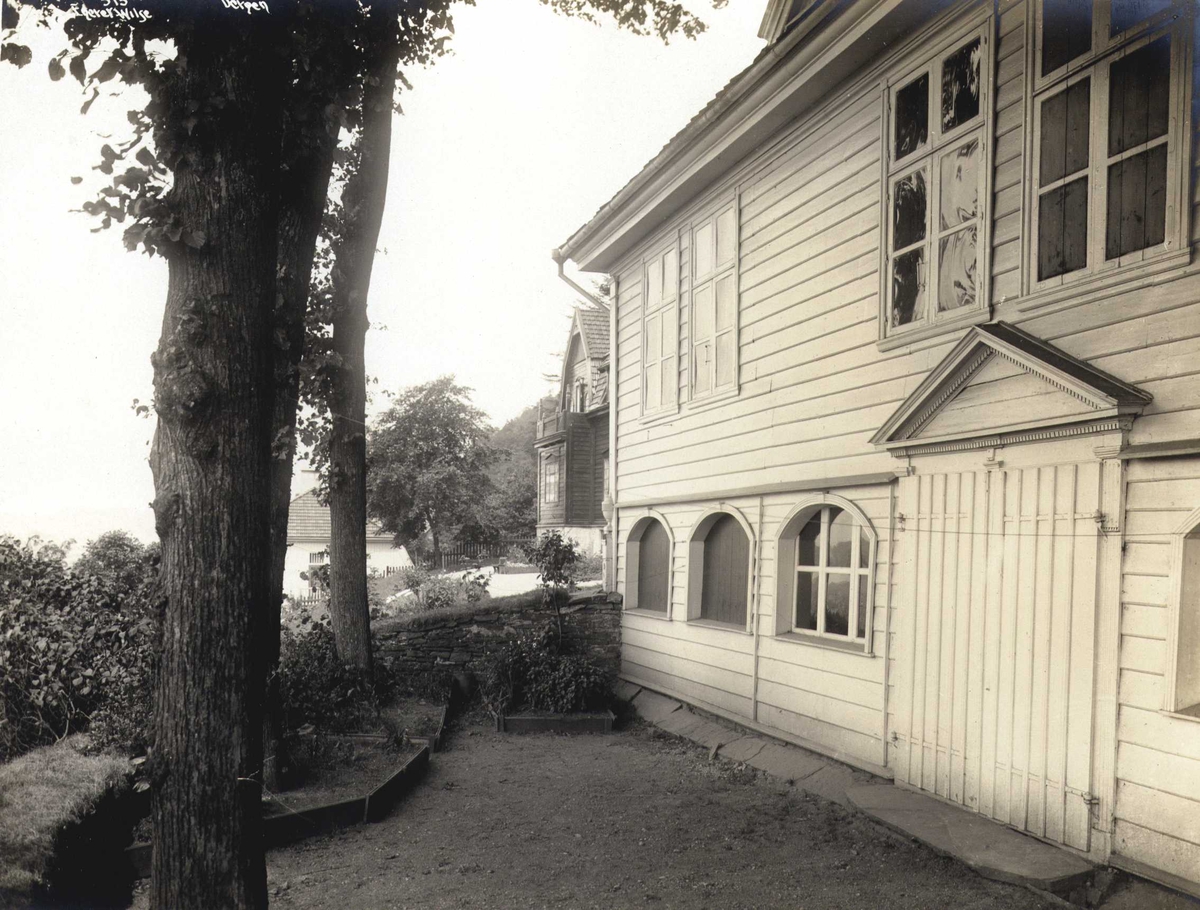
533 673
76 647
439 592
316 688
588 568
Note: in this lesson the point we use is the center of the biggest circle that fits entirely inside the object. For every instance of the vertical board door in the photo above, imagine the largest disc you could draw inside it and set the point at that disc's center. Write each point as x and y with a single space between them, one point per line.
654 569
995 642
726 572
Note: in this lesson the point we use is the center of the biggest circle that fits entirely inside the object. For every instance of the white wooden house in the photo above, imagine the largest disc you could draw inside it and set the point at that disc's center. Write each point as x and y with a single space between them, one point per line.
905 421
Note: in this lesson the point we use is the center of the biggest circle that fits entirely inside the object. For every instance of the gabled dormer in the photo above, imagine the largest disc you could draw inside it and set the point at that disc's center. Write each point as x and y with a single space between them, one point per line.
1000 385
584 384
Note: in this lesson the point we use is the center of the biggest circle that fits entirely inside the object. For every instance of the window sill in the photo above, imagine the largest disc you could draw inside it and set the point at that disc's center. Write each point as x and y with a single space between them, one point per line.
1112 279
660 615
701 404
831 644
962 321
1191 714
721 626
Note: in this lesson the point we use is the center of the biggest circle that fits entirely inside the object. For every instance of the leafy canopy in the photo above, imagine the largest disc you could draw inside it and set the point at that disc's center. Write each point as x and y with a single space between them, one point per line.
427 461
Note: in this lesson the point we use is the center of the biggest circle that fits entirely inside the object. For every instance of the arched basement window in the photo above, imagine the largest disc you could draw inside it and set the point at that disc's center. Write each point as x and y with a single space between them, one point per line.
826 560
1183 683
719 571
648 567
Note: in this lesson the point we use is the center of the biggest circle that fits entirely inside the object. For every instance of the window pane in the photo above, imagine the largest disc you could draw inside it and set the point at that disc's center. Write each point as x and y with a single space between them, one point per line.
863 583
670 274
807 541
837 604
960 86
1137 202
1139 89
670 334
1126 13
912 116
960 185
654 283
842 528
725 358
864 550
1062 229
1066 120
1066 32
653 386
908 210
702 367
726 302
702 313
726 236
908 287
668 370
807 592
956 270
704 249
653 340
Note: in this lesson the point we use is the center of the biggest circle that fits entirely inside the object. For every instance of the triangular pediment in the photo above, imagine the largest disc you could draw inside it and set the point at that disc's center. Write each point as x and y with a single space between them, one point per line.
999 383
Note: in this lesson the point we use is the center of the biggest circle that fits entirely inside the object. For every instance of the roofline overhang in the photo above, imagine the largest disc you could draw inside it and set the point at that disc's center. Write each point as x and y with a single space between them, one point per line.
788 78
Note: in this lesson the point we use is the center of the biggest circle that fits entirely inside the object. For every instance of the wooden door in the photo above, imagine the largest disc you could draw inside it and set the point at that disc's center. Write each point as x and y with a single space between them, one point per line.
654 568
995 648
726 572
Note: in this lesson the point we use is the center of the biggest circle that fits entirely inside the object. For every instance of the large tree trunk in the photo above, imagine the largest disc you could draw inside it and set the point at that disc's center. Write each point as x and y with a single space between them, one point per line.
302 204
211 464
363 201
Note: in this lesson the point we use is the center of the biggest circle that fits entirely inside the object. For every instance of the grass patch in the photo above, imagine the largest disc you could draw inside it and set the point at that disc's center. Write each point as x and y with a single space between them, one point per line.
43 794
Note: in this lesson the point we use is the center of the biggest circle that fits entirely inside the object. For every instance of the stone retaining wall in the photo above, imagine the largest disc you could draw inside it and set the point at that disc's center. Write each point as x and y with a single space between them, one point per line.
457 641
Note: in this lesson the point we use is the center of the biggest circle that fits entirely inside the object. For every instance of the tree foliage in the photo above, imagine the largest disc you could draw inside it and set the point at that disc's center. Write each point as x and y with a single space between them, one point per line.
428 461
513 506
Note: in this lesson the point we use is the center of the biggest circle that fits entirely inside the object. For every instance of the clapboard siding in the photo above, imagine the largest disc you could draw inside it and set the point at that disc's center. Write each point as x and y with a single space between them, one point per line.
825 696
1158 758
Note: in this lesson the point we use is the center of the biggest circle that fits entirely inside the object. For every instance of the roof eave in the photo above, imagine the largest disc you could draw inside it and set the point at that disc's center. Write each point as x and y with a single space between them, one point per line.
787 78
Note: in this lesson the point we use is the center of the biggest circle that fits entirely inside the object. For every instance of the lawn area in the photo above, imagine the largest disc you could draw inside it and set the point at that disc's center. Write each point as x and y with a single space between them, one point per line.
632 819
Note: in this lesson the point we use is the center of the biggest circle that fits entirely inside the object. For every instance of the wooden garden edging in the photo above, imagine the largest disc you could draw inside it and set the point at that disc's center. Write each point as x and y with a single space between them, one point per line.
298 824
590 722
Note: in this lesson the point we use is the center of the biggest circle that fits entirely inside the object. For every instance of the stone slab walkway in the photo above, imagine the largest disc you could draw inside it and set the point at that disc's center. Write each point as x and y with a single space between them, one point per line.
989 848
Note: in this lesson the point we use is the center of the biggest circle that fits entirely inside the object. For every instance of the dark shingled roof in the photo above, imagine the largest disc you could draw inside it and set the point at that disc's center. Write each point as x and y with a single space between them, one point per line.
593 322
309 520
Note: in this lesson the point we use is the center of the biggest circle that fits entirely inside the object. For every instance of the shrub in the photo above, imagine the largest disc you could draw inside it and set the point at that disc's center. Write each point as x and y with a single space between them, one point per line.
439 592
588 568
317 688
533 673
74 646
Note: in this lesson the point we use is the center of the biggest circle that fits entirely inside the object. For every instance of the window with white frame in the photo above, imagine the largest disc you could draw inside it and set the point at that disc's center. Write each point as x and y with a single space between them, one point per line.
937 164
714 317
1108 135
550 479
832 559
1183 682
660 332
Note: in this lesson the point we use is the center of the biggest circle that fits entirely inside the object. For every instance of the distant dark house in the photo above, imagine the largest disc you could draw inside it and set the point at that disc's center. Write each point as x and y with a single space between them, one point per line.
572 441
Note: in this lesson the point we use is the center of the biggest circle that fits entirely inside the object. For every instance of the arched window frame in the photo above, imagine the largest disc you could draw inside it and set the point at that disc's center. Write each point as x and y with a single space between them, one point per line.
695 574
786 568
633 547
1184 619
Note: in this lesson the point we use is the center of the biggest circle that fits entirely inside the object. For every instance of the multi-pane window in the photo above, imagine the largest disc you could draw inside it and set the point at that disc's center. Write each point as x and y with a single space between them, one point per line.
660 333
1103 135
936 168
833 576
714 347
550 479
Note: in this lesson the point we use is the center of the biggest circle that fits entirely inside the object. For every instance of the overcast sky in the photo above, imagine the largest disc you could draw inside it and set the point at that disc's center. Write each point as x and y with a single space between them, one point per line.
505 148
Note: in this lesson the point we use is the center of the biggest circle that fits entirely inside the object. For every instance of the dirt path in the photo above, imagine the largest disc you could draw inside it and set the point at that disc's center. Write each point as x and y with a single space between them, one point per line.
632 819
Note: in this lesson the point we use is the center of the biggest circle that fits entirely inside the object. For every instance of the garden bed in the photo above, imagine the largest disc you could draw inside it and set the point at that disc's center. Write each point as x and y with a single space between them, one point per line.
545 722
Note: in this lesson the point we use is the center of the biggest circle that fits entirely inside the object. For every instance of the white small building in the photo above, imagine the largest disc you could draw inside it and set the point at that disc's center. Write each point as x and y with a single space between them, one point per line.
308 544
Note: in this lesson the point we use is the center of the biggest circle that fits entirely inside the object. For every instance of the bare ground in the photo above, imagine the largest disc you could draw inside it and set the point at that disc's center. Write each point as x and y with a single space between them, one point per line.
632 819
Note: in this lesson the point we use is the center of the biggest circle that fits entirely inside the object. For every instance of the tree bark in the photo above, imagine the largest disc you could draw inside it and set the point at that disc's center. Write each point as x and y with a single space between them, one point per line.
211 465
363 200
302 204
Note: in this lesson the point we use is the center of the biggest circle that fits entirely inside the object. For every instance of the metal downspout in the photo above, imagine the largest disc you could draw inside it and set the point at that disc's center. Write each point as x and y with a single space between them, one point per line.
757 619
